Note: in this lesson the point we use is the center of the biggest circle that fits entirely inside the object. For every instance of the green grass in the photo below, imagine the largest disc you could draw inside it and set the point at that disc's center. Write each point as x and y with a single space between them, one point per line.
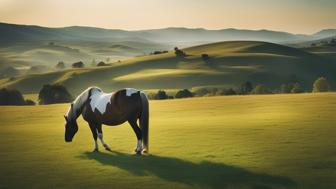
230 64
267 141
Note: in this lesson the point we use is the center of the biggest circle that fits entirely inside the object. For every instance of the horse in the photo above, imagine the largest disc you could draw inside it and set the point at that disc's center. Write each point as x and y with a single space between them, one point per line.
112 109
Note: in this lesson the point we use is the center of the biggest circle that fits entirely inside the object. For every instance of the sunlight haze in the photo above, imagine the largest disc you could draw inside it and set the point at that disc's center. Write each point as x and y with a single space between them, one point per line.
301 16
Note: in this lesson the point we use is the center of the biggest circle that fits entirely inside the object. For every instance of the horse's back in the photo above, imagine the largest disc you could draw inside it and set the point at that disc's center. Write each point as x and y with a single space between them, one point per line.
113 108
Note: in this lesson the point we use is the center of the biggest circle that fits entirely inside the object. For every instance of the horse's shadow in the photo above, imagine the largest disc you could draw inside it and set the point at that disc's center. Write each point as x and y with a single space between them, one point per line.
206 173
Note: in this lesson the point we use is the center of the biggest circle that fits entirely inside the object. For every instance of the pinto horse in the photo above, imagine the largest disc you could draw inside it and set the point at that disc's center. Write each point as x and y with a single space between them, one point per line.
111 109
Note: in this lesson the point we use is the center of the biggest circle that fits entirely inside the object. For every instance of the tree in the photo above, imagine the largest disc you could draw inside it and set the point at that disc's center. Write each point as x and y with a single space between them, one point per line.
246 88
161 95
29 102
230 92
79 64
185 93
52 94
333 41
205 57
321 85
201 91
60 65
297 88
179 53
101 63
260 89
11 97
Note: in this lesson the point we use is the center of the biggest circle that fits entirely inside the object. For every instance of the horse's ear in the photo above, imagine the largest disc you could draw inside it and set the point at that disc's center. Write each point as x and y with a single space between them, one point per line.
66 119
71 105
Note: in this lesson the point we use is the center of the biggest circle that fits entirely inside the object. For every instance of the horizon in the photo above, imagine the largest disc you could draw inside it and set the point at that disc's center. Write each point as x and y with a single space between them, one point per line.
168 27
285 16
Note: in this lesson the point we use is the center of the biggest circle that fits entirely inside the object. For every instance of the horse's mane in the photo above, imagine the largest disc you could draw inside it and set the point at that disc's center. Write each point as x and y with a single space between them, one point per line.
78 103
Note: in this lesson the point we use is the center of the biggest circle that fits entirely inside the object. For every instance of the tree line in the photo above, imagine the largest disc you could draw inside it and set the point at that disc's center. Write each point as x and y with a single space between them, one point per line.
52 94
320 85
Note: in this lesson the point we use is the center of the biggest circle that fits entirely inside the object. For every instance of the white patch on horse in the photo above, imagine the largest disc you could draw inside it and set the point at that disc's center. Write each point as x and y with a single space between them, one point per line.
79 102
99 101
100 136
130 91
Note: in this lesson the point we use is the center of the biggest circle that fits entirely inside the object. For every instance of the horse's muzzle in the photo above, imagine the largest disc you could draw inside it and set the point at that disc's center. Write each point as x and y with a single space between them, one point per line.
67 140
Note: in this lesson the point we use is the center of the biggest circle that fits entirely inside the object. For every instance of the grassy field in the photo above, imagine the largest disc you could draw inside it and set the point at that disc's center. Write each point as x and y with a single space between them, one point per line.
230 65
270 141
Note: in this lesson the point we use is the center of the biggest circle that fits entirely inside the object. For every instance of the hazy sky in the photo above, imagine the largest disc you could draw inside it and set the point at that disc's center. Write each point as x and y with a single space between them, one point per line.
298 16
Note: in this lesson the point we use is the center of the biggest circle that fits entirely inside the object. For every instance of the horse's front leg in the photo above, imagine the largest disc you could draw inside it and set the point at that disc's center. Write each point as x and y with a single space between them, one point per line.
138 134
93 129
100 136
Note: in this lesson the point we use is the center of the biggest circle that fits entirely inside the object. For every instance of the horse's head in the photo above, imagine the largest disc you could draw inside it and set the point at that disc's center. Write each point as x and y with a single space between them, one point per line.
71 129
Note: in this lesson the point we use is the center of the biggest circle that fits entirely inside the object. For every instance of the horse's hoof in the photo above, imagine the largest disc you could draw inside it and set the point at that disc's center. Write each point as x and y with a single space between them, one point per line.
108 149
95 150
145 151
138 153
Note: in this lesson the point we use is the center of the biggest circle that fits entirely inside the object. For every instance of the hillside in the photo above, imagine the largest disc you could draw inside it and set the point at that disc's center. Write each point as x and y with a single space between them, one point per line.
240 142
230 64
23 46
174 35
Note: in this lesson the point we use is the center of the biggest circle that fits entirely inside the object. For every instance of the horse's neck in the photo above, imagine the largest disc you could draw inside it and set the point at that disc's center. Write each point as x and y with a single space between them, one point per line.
76 107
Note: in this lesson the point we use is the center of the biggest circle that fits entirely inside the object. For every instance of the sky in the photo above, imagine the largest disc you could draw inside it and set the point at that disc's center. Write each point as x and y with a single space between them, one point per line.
295 16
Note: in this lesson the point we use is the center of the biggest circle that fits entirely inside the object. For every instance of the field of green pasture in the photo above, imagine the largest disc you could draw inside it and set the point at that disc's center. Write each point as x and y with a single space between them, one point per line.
266 141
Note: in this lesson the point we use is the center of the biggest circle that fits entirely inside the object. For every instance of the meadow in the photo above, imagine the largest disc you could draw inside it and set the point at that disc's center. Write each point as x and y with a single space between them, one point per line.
259 141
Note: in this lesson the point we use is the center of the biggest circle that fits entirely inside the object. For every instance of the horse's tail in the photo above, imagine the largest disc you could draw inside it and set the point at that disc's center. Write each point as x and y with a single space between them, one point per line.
144 119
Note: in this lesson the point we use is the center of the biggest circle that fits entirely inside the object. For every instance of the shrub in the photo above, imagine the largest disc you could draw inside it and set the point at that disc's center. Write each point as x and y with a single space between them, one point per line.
101 63
159 52
29 102
230 92
161 95
246 88
179 53
11 97
79 64
205 57
51 94
201 92
321 85
185 93
260 89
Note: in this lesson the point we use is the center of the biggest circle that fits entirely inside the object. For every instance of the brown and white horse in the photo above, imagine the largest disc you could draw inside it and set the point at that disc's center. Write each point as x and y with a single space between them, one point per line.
111 109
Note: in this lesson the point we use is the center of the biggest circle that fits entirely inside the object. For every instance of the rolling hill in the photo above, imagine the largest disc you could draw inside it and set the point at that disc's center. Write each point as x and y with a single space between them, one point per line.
174 35
230 64
23 46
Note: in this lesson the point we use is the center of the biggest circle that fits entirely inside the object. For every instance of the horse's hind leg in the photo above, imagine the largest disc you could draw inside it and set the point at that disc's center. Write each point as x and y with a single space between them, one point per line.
100 136
93 129
138 134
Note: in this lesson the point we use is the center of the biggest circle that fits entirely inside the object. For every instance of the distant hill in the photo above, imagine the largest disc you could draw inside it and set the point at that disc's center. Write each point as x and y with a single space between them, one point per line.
23 46
230 64
325 33
178 36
